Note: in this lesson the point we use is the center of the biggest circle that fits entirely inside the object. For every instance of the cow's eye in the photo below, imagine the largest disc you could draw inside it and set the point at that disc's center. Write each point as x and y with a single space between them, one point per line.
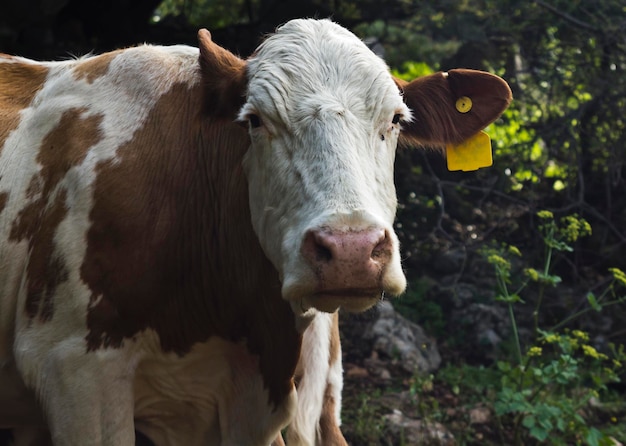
254 120
396 118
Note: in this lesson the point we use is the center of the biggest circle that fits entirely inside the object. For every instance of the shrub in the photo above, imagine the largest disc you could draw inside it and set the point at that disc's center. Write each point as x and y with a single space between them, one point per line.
546 390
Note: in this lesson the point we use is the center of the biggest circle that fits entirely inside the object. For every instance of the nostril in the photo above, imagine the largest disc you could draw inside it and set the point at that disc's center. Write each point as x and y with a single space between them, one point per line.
316 247
322 253
382 247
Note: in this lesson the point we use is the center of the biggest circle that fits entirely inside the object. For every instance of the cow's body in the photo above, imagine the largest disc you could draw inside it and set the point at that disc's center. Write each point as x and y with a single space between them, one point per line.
158 273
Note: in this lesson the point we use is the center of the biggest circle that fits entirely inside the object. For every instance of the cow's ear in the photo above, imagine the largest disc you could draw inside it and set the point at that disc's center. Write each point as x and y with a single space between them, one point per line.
224 78
450 107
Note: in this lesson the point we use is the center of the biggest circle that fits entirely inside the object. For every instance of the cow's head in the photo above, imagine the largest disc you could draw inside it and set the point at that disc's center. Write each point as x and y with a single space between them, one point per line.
324 117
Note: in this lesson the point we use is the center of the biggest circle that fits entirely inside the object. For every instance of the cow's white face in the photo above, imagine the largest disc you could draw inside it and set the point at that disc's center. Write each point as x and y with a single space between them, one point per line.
324 116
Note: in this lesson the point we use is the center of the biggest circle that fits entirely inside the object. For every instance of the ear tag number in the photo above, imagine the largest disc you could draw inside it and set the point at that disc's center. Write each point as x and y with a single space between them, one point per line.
471 154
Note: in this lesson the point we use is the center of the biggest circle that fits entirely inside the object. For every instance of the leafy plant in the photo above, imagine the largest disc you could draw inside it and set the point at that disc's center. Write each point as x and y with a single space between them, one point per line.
366 422
546 390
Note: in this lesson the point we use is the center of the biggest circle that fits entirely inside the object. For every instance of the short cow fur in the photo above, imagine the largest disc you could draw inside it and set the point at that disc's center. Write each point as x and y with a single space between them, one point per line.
178 227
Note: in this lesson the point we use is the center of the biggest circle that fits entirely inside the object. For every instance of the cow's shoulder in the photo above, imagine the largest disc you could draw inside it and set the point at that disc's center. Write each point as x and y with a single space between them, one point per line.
20 80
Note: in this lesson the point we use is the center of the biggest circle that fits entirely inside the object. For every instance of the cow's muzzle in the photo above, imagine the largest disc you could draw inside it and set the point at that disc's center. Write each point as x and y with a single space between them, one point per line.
349 266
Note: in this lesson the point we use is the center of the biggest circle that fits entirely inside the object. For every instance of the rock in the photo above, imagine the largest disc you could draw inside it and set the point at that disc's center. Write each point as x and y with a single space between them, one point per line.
483 326
405 430
385 374
450 262
479 415
354 371
488 322
377 367
396 337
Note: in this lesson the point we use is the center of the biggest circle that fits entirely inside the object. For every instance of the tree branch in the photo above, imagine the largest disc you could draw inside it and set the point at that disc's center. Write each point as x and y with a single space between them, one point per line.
567 16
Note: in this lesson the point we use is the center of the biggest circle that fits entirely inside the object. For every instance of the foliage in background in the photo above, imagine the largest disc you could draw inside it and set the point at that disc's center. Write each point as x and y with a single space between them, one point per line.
548 386
556 387
209 13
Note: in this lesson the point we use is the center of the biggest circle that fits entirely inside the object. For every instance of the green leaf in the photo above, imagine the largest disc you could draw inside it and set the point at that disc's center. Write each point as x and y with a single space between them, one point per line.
560 424
558 245
511 298
549 279
529 421
591 298
504 366
594 436
539 433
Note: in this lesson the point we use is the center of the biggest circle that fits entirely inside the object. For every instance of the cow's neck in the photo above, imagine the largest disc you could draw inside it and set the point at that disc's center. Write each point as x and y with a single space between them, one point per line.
237 259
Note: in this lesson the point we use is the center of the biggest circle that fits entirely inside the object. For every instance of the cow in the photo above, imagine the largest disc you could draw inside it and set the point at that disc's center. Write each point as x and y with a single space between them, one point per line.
179 226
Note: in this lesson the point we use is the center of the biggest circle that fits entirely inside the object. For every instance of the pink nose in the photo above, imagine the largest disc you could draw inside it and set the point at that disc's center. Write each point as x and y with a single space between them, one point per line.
348 261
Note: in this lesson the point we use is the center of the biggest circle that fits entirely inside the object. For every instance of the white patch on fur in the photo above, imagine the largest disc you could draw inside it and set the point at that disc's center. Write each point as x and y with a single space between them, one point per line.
314 367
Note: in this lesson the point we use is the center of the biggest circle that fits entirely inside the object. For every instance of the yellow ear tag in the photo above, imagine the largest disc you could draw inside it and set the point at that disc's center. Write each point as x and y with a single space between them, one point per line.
471 154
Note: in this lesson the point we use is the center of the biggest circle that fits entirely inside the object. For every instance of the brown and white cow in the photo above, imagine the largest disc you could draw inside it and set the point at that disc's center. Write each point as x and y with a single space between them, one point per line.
177 227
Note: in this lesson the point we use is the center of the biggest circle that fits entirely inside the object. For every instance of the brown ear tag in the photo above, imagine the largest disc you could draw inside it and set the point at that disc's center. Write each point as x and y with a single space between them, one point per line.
473 153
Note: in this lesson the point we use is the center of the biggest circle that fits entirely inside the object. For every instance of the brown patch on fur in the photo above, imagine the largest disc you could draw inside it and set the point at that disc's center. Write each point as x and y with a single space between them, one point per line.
19 83
94 67
67 145
329 431
335 341
45 270
432 99
64 147
4 197
171 246
34 187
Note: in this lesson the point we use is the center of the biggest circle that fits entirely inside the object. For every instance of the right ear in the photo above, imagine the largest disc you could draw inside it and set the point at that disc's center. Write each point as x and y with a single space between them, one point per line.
449 108
223 76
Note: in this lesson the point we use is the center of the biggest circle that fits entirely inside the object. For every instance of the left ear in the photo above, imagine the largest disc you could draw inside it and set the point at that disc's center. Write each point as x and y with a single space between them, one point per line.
223 76
451 107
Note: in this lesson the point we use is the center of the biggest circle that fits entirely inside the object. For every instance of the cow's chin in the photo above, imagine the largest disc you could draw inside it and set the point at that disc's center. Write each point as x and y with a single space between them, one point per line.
305 293
351 300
